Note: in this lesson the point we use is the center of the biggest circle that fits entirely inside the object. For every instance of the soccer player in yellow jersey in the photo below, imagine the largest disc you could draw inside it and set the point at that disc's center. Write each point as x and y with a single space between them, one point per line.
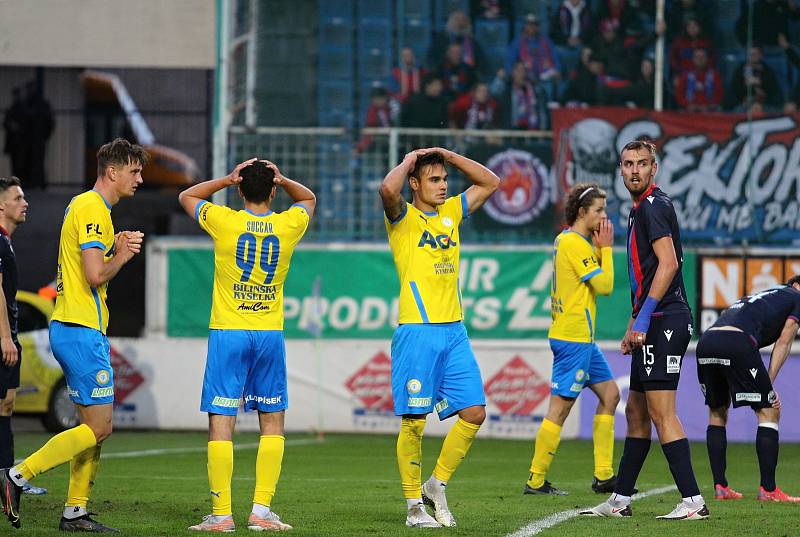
89 255
433 366
246 351
582 268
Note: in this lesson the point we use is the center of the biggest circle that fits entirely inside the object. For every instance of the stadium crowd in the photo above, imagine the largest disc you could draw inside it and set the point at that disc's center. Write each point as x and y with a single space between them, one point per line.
593 53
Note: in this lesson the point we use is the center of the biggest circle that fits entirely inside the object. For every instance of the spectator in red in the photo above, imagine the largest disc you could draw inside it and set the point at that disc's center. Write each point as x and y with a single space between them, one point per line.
681 52
458 76
406 78
573 25
475 110
699 90
519 102
378 115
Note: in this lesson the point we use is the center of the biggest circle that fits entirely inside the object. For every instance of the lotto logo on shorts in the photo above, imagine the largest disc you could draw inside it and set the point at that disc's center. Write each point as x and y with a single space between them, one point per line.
419 401
102 377
413 386
673 364
226 402
102 392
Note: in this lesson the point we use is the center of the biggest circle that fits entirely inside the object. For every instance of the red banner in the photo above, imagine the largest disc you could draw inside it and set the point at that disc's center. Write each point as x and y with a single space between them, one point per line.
730 179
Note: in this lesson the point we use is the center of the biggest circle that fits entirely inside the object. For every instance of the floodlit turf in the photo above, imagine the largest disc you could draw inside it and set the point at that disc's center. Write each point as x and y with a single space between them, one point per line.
349 485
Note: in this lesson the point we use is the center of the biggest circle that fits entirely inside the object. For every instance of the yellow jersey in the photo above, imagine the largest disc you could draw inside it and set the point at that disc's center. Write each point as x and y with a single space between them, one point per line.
580 272
425 247
87 224
252 253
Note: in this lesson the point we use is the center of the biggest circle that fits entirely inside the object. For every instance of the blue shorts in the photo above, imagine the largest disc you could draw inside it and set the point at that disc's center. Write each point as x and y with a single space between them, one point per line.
84 356
576 365
248 365
433 367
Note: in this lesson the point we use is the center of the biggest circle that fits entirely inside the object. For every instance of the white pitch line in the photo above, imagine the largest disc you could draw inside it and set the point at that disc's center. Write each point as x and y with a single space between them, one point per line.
538 526
197 449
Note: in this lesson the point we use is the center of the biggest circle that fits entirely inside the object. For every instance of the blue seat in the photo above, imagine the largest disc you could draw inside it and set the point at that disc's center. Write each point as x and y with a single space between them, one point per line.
415 34
375 63
776 60
413 9
335 103
492 33
375 33
729 60
495 58
336 63
523 7
336 31
335 8
443 8
374 8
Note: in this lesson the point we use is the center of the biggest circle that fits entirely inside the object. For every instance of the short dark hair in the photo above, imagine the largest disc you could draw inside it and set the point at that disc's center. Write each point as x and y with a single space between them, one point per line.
8 182
120 152
581 196
793 280
430 159
638 145
258 179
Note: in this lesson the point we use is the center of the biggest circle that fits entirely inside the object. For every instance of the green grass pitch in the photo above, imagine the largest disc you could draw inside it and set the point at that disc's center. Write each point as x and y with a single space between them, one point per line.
348 485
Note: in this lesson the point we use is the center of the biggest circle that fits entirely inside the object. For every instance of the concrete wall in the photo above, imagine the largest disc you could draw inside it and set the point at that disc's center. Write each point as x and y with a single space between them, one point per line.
143 33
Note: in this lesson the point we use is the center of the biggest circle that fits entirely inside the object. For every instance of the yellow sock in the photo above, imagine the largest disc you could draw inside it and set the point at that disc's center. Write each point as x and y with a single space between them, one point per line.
82 471
603 436
409 456
220 473
268 467
454 449
547 440
58 450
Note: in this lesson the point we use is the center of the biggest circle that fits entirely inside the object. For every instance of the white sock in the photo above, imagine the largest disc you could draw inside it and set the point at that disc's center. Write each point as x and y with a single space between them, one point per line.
619 499
413 502
72 512
694 500
261 511
16 477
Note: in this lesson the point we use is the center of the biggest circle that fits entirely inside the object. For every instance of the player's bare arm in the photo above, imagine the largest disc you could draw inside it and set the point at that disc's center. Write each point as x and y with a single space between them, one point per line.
193 195
484 181
782 348
95 268
664 249
391 190
9 350
299 193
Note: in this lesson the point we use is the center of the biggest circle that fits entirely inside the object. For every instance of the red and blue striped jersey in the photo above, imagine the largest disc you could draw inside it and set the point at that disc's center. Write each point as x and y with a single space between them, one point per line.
653 217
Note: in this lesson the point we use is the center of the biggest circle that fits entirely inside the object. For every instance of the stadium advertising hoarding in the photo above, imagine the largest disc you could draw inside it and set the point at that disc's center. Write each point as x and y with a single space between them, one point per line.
723 279
705 167
343 385
343 292
692 411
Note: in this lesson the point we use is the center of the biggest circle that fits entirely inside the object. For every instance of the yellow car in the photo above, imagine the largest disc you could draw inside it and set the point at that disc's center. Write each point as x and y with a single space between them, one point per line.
42 389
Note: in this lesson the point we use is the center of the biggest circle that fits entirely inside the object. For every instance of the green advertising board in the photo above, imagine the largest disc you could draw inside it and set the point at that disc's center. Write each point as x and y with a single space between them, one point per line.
347 292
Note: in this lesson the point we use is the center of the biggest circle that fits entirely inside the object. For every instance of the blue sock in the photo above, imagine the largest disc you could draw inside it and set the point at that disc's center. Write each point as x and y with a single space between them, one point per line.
679 458
633 456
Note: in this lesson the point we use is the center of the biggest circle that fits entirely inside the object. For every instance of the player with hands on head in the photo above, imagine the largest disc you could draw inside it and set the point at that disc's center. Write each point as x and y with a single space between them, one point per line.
246 356
433 365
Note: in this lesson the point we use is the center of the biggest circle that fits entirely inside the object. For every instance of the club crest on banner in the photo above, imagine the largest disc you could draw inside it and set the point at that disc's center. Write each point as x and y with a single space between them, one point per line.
524 187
